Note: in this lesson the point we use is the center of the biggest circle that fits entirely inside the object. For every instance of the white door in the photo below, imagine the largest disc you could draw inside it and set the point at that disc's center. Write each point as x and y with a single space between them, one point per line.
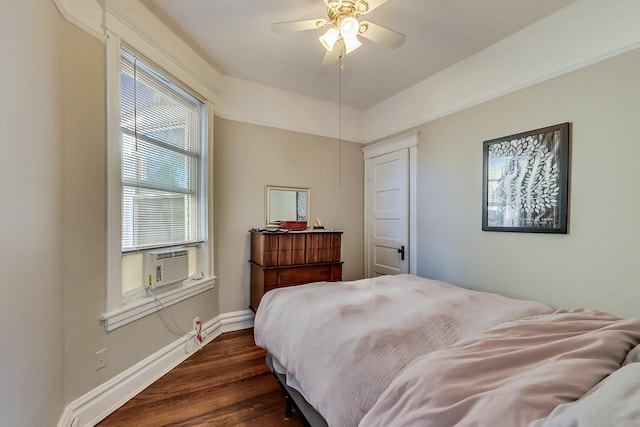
387 212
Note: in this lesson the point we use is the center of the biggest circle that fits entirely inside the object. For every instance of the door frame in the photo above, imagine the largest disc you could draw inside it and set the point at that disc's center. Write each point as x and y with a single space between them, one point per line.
405 141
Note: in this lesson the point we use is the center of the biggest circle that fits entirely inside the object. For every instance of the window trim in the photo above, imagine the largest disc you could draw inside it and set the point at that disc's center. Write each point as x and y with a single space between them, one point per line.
118 312
140 307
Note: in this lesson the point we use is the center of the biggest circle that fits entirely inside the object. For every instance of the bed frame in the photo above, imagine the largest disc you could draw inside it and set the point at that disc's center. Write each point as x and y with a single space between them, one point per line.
293 397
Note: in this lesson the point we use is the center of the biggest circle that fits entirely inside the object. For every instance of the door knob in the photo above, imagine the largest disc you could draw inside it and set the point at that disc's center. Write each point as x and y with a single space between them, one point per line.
401 252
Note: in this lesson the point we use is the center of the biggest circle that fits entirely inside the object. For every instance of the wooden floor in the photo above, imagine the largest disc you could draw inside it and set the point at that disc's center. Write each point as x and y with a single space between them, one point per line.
227 383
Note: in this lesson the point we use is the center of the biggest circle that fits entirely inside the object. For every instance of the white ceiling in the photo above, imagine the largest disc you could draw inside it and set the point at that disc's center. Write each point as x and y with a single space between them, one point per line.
235 38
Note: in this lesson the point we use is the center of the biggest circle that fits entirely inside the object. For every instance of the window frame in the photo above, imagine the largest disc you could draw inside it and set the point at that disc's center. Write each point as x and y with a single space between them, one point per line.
120 309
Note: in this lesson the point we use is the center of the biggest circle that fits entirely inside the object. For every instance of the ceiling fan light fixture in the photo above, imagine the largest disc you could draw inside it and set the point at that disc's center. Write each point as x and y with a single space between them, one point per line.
349 27
329 39
333 4
344 27
351 44
362 6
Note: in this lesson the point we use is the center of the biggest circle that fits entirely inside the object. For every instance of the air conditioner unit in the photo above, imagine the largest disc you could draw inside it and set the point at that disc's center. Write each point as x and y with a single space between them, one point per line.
165 267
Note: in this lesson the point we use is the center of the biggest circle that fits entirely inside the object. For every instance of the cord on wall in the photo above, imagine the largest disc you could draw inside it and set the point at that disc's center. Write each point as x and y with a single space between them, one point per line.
196 338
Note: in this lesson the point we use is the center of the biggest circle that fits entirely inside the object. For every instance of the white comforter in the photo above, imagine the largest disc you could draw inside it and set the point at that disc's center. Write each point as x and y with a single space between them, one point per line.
345 342
512 374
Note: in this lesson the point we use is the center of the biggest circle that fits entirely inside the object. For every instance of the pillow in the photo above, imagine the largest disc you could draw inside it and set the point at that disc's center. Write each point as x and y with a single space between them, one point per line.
615 401
633 356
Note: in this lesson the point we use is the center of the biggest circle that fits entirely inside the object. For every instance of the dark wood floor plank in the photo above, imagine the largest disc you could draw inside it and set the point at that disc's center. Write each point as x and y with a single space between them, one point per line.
227 383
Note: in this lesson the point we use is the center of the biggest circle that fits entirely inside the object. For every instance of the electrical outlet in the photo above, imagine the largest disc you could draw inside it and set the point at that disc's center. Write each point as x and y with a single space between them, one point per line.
101 359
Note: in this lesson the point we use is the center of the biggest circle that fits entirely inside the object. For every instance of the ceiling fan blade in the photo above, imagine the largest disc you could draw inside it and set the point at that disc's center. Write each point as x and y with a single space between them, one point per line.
291 26
332 57
374 4
381 35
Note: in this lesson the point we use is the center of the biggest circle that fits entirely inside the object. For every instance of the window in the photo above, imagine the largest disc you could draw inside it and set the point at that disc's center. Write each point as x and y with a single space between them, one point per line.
158 199
162 131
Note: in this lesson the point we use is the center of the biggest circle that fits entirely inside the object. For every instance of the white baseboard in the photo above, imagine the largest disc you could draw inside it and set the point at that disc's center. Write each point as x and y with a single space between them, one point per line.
236 320
97 404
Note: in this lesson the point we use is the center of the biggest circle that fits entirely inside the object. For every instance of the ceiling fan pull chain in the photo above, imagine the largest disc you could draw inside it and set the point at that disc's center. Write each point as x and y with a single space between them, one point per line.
341 65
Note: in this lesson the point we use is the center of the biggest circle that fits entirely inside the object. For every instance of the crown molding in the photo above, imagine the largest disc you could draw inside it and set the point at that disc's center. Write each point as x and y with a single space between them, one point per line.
556 45
86 14
563 42
136 26
257 104
234 99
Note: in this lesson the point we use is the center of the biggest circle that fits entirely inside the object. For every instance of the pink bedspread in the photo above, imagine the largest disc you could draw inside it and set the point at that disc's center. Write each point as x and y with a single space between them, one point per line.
510 375
346 342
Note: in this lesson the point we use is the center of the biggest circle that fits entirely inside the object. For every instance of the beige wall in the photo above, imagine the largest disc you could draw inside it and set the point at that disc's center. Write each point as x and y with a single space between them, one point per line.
596 264
31 310
248 157
83 103
241 152
53 168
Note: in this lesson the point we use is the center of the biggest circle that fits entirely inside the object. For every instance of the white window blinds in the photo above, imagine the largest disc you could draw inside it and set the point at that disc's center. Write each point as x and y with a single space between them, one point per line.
162 135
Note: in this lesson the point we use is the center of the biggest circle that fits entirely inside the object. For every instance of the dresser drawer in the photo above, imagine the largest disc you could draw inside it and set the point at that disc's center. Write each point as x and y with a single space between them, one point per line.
279 260
299 275
264 279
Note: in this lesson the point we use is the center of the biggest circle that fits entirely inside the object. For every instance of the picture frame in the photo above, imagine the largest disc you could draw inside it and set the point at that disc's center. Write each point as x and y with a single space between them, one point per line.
525 181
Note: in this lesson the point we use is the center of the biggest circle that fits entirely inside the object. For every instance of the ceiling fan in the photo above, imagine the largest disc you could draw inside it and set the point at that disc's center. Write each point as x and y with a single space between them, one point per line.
341 37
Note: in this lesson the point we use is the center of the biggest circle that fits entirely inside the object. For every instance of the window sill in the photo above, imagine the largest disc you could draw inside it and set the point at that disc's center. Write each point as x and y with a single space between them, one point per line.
144 306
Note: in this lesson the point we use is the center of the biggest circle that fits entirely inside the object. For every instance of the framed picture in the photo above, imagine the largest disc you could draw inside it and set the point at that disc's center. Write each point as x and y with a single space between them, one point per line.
525 181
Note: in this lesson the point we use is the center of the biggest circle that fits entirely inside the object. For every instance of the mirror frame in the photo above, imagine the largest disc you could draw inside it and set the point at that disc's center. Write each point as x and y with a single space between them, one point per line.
267 198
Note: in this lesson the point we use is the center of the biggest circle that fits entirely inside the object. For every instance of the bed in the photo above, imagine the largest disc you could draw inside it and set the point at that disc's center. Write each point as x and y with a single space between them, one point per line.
404 350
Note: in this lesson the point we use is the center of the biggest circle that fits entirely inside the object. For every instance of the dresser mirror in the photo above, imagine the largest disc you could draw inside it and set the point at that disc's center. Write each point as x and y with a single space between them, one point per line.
286 204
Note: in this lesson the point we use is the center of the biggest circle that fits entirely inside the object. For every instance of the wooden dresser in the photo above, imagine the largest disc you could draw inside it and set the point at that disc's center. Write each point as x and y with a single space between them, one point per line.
293 258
